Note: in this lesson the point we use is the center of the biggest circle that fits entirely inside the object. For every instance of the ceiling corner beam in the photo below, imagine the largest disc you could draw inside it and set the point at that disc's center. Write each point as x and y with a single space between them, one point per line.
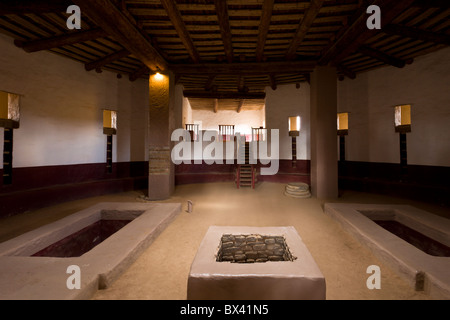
106 60
443 4
346 72
33 6
225 30
381 56
357 33
59 41
108 17
308 19
263 28
177 21
418 34
138 73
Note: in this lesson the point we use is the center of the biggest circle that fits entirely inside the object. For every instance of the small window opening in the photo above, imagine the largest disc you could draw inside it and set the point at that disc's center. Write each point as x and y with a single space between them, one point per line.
294 124
402 121
342 131
342 123
402 118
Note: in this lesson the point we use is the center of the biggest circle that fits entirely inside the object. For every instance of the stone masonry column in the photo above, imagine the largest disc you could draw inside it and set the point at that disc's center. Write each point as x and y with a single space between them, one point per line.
324 162
161 178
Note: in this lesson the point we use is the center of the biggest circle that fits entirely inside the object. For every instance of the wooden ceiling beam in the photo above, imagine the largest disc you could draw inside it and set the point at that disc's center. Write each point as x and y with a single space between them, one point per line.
347 72
381 56
240 105
216 105
225 30
138 73
59 41
108 17
177 21
263 29
443 4
357 33
247 68
241 83
106 60
308 19
416 33
273 81
209 82
33 6
223 94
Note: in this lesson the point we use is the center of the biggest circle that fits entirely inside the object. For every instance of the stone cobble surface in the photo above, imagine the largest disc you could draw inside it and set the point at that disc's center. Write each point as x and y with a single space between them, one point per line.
253 248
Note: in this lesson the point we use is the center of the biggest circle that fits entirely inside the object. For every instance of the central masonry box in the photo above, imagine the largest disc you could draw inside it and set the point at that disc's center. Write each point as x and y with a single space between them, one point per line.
280 268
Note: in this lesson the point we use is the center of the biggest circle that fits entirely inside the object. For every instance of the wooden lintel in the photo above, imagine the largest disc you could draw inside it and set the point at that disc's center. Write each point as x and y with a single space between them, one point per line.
106 60
108 17
223 94
33 6
310 14
416 33
263 28
224 25
177 21
381 56
246 68
59 41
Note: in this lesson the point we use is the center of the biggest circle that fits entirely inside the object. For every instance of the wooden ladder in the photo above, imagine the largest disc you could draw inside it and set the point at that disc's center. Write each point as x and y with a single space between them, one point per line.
245 173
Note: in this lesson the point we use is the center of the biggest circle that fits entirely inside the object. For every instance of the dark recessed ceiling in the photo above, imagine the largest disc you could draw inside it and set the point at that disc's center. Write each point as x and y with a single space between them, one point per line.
232 46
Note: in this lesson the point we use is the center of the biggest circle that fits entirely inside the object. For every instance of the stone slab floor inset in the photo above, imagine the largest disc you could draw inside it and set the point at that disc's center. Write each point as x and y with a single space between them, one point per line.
210 279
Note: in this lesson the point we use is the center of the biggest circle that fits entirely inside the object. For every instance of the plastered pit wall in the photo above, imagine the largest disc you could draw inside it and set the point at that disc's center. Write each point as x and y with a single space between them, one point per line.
370 100
61 110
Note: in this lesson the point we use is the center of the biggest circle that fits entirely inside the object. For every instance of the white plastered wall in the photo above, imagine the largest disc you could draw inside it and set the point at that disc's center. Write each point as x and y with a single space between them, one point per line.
61 110
370 100
243 121
282 103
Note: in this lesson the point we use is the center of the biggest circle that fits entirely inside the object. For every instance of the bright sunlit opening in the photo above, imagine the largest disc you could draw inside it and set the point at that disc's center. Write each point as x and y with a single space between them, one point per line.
294 123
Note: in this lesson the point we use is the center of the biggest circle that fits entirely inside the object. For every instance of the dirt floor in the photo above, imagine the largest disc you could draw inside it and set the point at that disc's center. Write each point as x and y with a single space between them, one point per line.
161 272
